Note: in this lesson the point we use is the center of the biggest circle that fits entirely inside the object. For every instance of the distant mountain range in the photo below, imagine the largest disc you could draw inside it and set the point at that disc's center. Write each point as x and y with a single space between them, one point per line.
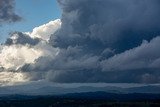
57 90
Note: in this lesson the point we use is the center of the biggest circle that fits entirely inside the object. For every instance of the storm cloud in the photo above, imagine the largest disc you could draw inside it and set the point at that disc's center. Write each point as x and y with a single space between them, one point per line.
108 23
97 41
106 41
7 12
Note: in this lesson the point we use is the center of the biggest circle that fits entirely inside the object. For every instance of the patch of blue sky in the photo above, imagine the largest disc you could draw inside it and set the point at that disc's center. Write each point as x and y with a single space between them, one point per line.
34 13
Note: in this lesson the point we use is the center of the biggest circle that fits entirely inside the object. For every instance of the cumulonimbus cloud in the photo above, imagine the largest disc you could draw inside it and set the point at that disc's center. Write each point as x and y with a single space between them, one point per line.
106 41
107 32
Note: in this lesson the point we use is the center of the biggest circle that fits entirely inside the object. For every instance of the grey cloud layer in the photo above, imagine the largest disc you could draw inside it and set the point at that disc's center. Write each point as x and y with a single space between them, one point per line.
147 55
112 34
107 23
7 12
102 41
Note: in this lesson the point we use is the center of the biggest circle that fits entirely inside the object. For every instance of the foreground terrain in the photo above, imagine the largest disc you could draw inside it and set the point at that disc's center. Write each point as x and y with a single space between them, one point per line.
89 99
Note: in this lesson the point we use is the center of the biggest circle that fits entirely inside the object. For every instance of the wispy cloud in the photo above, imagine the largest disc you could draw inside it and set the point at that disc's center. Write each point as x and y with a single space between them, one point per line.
7 12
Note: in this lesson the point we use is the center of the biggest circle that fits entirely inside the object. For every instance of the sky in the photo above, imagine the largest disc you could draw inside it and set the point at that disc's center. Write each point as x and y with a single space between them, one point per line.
34 13
80 41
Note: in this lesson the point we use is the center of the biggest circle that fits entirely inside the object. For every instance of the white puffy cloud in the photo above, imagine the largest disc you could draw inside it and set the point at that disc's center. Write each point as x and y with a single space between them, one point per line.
44 31
11 78
15 56
20 49
25 48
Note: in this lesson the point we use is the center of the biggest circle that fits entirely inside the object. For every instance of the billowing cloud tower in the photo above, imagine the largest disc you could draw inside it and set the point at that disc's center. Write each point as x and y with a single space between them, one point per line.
95 41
